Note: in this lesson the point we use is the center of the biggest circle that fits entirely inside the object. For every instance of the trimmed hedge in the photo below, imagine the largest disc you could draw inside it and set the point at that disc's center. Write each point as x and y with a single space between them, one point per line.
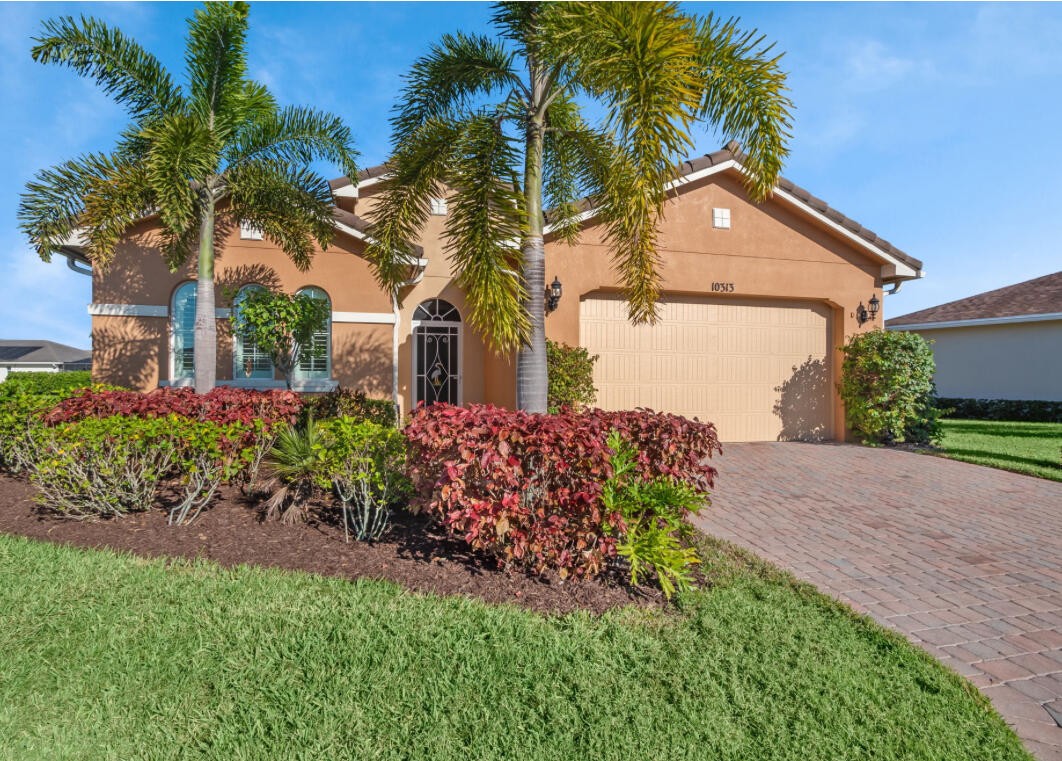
1018 410
346 402
18 383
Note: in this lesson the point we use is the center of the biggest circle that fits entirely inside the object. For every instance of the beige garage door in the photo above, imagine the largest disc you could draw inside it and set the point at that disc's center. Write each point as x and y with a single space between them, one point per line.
758 369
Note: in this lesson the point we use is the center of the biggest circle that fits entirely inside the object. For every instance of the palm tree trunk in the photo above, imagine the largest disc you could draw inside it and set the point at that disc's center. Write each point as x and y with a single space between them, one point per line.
206 330
532 374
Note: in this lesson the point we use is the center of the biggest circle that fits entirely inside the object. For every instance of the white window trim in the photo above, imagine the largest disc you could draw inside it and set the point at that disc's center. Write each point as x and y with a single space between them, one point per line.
128 310
369 318
721 218
249 231
414 324
235 343
171 338
438 207
328 343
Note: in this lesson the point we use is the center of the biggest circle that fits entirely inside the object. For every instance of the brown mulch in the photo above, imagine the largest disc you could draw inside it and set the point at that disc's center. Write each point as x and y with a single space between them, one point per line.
232 531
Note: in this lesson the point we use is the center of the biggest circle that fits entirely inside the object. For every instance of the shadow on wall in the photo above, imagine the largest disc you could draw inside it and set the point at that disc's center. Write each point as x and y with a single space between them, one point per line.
362 362
233 278
803 404
129 352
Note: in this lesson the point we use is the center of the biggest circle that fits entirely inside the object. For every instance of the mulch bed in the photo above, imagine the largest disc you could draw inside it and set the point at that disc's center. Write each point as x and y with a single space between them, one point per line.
413 553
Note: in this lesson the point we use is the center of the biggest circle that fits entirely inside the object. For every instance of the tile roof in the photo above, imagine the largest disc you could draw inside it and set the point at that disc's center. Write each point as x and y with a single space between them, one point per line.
34 352
1042 295
731 152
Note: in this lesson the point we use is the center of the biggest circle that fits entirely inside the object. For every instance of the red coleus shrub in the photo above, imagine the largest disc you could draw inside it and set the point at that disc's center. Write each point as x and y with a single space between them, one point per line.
527 488
223 405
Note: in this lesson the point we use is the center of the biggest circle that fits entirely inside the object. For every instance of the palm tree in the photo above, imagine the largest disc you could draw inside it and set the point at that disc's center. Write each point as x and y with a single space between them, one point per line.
203 158
500 122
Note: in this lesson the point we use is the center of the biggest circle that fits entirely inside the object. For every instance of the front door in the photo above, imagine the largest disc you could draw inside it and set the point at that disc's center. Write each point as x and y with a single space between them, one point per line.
436 353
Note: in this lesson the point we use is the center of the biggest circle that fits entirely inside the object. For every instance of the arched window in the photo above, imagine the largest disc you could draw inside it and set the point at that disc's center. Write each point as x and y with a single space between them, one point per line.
248 361
182 329
436 353
318 367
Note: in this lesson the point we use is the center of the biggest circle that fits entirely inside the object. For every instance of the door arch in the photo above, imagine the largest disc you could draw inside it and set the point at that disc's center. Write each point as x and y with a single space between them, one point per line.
436 353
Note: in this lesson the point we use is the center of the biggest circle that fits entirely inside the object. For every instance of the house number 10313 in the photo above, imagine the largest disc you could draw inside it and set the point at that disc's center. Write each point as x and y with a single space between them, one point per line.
723 287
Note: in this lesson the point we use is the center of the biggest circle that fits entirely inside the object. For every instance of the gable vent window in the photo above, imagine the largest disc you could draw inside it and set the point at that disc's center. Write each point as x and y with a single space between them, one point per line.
721 218
249 232
438 207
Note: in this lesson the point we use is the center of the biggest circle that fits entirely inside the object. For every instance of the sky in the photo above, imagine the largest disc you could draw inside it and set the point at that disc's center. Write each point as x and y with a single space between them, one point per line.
934 125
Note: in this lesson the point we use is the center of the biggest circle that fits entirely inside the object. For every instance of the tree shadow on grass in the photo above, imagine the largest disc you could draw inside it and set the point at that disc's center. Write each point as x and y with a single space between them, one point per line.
1017 463
1004 429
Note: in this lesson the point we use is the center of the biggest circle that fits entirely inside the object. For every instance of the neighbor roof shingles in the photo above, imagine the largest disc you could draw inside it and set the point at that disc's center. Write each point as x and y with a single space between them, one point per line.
42 351
732 152
1042 295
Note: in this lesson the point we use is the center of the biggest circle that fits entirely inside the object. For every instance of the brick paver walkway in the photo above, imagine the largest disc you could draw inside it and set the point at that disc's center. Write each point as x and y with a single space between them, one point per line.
965 561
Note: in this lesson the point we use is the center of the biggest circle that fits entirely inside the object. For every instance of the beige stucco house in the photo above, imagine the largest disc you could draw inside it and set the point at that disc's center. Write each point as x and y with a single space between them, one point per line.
757 299
1001 344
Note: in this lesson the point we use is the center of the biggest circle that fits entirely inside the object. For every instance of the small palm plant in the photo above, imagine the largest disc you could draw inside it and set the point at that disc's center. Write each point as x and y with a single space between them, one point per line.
201 159
501 122
296 463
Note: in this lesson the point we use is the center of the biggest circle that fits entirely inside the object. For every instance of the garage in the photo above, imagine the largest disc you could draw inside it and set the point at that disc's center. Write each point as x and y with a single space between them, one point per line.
757 368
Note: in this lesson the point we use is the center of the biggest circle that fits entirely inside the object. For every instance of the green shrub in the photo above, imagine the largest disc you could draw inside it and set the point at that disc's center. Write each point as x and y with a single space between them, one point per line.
1018 410
345 402
19 414
887 388
44 383
652 511
115 465
365 463
571 376
297 463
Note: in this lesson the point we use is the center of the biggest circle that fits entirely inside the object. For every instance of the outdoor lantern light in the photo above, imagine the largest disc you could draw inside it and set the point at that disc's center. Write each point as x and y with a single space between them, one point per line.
553 294
861 313
874 306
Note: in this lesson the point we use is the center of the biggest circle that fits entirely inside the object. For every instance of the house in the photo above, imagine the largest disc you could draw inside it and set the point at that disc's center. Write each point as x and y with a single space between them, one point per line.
1001 344
757 300
41 357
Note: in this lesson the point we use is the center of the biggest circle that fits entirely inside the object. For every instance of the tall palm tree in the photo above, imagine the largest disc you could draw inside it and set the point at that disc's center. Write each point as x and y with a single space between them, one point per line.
216 153
500 122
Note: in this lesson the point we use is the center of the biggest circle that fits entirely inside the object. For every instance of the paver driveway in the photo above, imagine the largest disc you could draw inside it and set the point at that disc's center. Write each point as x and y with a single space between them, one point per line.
966 561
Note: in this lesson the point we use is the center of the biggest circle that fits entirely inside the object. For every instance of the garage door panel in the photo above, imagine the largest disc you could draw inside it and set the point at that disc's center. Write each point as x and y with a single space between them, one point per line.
715 359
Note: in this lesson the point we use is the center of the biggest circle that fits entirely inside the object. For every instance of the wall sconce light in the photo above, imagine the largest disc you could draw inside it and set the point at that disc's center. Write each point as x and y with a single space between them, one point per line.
863 314
553 295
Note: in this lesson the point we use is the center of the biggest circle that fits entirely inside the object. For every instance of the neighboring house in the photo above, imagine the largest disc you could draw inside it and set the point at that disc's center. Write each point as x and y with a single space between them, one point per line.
41 357
757 299
1002 344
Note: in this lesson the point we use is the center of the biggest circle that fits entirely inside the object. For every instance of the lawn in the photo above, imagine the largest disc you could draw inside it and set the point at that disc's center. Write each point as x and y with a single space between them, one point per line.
1031 448
106 656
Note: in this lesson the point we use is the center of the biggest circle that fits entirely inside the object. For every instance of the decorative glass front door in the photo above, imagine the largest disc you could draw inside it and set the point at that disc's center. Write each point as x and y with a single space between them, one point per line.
436 353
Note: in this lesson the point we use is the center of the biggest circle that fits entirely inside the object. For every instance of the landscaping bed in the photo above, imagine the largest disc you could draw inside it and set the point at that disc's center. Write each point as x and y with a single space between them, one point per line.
414 552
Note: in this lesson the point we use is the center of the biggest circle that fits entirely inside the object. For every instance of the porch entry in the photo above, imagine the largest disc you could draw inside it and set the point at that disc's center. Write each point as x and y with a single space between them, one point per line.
436 353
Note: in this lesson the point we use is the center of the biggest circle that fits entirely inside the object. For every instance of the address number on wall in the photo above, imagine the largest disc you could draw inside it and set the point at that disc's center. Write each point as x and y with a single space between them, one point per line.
723 287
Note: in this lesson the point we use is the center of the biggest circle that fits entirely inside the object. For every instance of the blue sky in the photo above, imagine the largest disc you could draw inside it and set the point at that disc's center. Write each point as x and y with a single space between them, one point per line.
935 125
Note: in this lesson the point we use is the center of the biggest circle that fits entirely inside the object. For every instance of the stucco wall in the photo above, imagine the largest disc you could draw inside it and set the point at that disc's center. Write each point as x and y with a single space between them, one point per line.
1016 361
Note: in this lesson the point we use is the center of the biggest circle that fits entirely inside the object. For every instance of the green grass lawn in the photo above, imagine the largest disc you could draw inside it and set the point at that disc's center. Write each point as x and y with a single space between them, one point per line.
1031 448
115 657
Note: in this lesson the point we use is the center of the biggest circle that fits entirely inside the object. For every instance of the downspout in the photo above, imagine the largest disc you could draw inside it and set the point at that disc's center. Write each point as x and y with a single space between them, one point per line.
895 288
73 261
396 340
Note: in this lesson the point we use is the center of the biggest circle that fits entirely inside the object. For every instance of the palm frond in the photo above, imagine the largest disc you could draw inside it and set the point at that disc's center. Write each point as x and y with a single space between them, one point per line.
745 96
455 71
182 152
483 228
296 136
114 203
291 204
125 71
216 60
54 199
418 165
564 169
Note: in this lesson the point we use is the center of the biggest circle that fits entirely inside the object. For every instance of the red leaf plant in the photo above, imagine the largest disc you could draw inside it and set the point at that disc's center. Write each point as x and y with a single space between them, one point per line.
527 488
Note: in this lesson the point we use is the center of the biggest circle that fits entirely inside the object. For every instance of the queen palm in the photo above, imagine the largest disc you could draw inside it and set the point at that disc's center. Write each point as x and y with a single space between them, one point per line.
500 121
202 158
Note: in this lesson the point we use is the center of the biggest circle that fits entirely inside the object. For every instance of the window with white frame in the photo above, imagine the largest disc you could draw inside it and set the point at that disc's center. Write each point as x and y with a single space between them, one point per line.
182 331
249 231
317 367
438 207
248 361
721 218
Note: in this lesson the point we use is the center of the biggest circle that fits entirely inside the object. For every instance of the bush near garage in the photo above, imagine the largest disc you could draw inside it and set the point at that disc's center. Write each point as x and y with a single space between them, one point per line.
571 376
1017 410
528 488
887 388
